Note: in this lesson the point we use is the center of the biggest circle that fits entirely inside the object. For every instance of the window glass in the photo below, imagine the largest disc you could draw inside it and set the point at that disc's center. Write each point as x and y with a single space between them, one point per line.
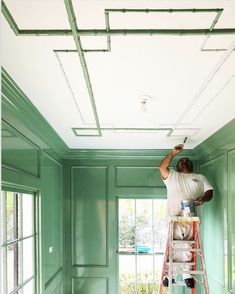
158 260
144 239
127 225
143 212
12 266
28 258
145 269
28 223
29 287
160 219
127 273
10 216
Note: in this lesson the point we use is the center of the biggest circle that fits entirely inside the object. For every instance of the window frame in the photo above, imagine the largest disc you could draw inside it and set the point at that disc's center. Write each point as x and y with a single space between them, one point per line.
135 253
18 215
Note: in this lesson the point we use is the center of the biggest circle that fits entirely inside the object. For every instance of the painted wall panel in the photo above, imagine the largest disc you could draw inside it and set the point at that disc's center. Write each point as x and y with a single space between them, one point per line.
89 285
89 215
231 219
18 152
132 176
51 218
214 221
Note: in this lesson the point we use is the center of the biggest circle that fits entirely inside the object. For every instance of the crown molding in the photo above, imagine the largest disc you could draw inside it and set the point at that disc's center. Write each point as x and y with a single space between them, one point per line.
221 141
116 154
19 112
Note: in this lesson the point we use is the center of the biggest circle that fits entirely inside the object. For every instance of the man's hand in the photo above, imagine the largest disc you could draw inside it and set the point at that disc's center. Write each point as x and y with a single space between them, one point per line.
178 148
199 201
204 198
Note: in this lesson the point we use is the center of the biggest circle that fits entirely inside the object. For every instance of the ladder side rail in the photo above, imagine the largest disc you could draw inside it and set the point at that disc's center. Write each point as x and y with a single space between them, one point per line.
166 254
199 263
170 272
206 286
194 255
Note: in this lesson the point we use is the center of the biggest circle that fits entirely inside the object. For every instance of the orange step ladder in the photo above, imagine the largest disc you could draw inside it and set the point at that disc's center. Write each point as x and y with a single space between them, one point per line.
197 264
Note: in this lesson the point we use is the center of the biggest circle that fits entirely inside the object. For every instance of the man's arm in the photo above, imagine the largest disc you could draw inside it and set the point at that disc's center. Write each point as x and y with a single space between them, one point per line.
165 163
208 195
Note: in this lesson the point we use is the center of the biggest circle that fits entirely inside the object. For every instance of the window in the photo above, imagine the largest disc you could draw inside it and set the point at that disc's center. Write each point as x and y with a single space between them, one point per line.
18 243
142 234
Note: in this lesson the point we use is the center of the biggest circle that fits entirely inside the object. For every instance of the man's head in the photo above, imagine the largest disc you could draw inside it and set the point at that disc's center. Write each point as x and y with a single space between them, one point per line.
184 165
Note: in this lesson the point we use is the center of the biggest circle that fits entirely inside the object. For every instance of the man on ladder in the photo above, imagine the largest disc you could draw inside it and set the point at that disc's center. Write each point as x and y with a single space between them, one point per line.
183 184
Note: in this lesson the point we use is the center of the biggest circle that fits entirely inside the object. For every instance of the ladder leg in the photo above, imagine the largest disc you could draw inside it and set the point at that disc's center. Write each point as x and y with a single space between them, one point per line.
205 281
194 254
166 255
170 269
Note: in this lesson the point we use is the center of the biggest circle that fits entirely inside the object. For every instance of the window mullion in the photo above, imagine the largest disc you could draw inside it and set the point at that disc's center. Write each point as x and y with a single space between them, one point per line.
21 242
154 280
4 237
4 217
21 287
35 243
5 268
135 253
15 236
18 240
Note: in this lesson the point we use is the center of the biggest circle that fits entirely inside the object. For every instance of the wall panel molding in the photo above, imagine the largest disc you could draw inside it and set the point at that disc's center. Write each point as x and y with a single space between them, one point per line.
89 212
138 176
90 285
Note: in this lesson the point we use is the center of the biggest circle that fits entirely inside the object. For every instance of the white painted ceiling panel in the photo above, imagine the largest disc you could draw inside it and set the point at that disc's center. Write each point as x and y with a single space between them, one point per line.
72 71
189 79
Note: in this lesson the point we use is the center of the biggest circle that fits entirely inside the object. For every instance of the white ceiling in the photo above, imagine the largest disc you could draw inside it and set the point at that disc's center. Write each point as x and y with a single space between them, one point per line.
191 90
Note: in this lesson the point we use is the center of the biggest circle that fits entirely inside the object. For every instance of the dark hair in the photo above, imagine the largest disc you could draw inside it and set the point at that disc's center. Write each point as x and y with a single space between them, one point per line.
183 159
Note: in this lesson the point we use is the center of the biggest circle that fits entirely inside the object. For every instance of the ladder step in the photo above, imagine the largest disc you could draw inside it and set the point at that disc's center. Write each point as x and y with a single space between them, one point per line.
184 249
181 263
186 272
183 241
182 284
184 219
200 282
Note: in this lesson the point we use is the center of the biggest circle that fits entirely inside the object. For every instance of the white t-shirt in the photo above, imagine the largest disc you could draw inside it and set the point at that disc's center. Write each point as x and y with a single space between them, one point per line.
181 186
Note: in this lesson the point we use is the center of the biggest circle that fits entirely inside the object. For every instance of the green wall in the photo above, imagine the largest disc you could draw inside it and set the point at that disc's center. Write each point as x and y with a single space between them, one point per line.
48 191
77 192
217 162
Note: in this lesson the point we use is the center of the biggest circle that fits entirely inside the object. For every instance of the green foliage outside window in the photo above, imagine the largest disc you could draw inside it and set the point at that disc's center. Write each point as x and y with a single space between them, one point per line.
143 286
